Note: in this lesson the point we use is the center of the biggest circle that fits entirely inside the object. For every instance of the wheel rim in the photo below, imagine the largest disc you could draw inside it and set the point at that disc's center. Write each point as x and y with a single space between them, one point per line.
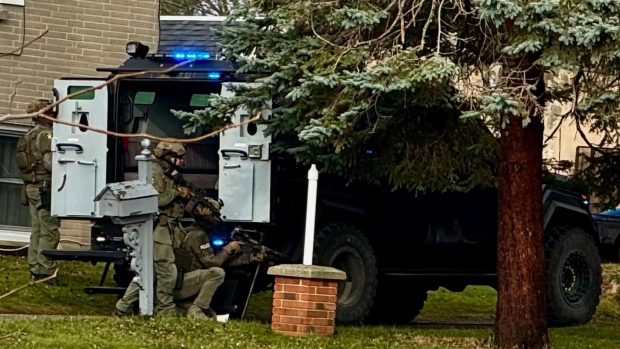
349 261
575 278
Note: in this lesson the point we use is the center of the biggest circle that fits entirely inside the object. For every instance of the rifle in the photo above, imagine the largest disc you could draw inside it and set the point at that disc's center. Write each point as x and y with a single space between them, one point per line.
199 197
253 246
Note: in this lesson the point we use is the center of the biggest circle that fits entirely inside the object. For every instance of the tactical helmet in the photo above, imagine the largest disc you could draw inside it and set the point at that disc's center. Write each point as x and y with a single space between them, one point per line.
166 148
37 105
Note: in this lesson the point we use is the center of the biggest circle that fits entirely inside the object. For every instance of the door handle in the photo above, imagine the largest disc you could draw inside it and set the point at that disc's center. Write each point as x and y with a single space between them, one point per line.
64 161
232 166
243 154
89 163
72 145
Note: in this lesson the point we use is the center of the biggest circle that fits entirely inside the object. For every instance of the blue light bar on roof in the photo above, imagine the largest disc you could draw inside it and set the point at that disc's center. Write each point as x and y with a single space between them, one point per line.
190 55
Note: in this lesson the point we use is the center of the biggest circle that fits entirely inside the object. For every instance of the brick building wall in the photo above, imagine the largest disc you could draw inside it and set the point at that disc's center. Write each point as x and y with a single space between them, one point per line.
83 35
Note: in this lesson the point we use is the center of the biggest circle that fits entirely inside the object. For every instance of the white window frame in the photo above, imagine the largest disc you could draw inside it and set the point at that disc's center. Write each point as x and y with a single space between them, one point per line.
13 130
13 2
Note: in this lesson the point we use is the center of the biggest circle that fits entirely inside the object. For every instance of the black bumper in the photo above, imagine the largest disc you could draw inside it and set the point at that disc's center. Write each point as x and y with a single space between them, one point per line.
85 255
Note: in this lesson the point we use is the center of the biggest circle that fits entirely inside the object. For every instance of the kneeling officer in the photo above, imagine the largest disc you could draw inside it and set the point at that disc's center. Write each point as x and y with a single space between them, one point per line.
202 269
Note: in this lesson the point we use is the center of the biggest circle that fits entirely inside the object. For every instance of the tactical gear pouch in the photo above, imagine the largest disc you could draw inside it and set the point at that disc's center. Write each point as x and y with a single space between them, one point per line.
178 284
21 157
182 259
46 198
24 197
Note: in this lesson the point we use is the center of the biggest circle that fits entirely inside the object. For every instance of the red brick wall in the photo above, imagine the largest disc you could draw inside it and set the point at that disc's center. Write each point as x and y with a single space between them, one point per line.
304 306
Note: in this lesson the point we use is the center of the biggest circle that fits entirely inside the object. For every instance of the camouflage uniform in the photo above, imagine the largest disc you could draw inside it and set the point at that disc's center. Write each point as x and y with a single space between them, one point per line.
170 211
202 270
34 159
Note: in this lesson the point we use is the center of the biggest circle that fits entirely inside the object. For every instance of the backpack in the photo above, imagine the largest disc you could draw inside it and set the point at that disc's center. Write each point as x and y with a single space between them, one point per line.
30 157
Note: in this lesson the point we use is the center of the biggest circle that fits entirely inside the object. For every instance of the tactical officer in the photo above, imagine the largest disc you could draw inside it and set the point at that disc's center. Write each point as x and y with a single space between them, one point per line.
171 206
34 160
202 269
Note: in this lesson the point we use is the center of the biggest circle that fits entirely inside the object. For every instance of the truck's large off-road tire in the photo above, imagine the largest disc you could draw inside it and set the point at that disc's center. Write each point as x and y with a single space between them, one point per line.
396 303
573 276
344 247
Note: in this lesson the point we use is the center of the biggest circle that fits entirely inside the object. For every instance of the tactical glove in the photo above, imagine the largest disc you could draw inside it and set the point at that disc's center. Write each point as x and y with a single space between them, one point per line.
233 247
184 192
203 211
256 257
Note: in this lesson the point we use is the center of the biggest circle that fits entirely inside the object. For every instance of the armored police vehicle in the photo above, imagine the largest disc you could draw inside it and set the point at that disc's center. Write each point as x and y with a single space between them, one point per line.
394 247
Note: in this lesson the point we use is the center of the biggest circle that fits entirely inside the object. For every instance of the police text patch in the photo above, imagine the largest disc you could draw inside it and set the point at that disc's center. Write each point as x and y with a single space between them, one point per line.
205 246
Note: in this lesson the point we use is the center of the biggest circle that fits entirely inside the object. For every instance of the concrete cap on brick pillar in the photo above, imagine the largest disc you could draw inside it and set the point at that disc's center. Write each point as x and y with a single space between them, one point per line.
307 271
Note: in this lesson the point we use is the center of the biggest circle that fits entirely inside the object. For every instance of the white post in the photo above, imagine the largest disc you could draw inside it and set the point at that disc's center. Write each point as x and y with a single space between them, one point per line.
142 263
313 177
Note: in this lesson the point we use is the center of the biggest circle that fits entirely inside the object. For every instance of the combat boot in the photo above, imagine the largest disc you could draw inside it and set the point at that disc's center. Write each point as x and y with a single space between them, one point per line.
195 312
120 313
53 281
168 312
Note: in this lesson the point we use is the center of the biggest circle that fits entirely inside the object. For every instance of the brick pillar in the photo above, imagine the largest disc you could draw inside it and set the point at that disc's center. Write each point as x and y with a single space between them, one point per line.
304 299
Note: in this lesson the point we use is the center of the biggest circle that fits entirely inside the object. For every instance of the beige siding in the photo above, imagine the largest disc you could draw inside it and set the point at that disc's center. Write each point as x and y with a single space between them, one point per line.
83 35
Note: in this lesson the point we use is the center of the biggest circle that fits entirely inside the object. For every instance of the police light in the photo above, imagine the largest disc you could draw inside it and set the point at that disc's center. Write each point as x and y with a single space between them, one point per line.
218 242
213 75
136 49
190 55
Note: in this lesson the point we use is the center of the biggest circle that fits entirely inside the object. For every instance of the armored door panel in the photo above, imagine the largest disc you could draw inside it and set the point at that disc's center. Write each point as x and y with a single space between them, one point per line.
249 138
78 180
238 147
235 189
79 154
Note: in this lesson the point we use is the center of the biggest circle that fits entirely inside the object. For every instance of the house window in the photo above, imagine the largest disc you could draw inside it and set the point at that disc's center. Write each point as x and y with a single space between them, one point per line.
11 212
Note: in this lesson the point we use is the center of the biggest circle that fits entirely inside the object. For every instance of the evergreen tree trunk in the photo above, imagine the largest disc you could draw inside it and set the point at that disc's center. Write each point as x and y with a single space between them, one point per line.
521 305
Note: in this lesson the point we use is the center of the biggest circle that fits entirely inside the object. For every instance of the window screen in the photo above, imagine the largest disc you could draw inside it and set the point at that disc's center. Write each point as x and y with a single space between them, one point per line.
11 212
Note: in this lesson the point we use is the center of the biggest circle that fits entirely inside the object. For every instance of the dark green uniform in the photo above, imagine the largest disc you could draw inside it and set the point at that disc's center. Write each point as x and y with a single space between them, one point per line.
202 269
34 159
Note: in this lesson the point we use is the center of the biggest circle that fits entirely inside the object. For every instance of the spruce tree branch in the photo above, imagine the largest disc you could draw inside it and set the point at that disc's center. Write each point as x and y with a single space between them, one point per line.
402 21
576 81
42 113
13 96
583 135
557 127
420 47
439 28
98 87
13 334
152 137
29 284
25 45
318 35
388 32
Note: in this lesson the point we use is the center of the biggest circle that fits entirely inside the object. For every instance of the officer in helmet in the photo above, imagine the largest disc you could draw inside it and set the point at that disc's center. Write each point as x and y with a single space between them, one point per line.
171 205
34 160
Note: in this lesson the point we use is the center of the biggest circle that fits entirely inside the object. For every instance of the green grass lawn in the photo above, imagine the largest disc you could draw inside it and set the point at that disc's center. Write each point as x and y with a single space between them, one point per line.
473 304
